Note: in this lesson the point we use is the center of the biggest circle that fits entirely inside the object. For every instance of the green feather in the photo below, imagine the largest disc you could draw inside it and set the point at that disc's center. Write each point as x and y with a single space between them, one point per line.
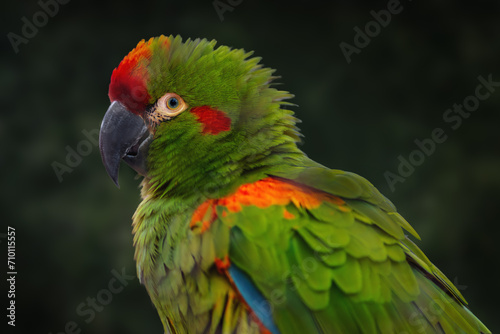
336 258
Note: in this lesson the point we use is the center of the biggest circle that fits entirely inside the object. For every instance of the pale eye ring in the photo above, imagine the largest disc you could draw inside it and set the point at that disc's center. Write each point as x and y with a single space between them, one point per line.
170 105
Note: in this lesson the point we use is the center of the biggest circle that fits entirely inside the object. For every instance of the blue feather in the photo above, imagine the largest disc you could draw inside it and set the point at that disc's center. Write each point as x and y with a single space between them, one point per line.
254 298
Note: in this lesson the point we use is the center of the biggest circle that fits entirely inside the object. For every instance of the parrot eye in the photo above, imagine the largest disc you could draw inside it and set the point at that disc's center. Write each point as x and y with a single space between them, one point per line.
170 105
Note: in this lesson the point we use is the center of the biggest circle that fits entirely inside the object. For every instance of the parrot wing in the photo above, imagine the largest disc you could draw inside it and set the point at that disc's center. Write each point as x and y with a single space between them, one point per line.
318 250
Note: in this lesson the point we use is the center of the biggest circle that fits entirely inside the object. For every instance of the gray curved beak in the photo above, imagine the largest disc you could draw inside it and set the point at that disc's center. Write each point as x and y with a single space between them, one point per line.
123 135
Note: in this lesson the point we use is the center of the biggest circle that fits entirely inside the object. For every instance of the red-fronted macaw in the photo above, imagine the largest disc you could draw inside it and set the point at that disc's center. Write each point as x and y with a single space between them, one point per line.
238 230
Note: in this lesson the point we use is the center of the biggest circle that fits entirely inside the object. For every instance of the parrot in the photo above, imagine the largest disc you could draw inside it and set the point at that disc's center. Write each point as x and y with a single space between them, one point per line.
238 230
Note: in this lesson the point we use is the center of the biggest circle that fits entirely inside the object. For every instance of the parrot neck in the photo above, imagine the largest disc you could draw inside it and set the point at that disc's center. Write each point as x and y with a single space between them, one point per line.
219 175
191 167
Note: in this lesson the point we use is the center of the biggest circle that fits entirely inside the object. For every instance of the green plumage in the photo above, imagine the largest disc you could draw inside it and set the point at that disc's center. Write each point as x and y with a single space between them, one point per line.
342 265
345 271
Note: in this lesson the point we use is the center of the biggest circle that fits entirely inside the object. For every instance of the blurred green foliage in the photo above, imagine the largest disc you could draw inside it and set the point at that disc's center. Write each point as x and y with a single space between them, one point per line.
358 117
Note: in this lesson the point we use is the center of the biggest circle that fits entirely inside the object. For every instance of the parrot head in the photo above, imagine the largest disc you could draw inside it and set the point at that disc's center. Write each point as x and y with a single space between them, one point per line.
184 111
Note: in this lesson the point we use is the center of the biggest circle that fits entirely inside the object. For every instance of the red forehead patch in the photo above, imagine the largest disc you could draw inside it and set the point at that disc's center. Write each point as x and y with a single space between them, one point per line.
213 121
129 80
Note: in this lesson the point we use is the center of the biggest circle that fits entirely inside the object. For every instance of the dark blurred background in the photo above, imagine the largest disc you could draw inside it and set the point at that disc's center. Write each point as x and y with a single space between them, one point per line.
73 232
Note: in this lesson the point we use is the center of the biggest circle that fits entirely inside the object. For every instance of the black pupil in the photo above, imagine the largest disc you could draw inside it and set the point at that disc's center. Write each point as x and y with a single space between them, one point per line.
173 103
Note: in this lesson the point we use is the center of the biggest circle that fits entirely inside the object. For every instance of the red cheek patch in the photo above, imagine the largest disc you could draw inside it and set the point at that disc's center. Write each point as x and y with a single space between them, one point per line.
213 121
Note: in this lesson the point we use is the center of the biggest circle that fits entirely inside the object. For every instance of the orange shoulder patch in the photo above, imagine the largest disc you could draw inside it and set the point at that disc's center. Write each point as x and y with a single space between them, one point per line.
204 215
263 193
287 214
272 191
